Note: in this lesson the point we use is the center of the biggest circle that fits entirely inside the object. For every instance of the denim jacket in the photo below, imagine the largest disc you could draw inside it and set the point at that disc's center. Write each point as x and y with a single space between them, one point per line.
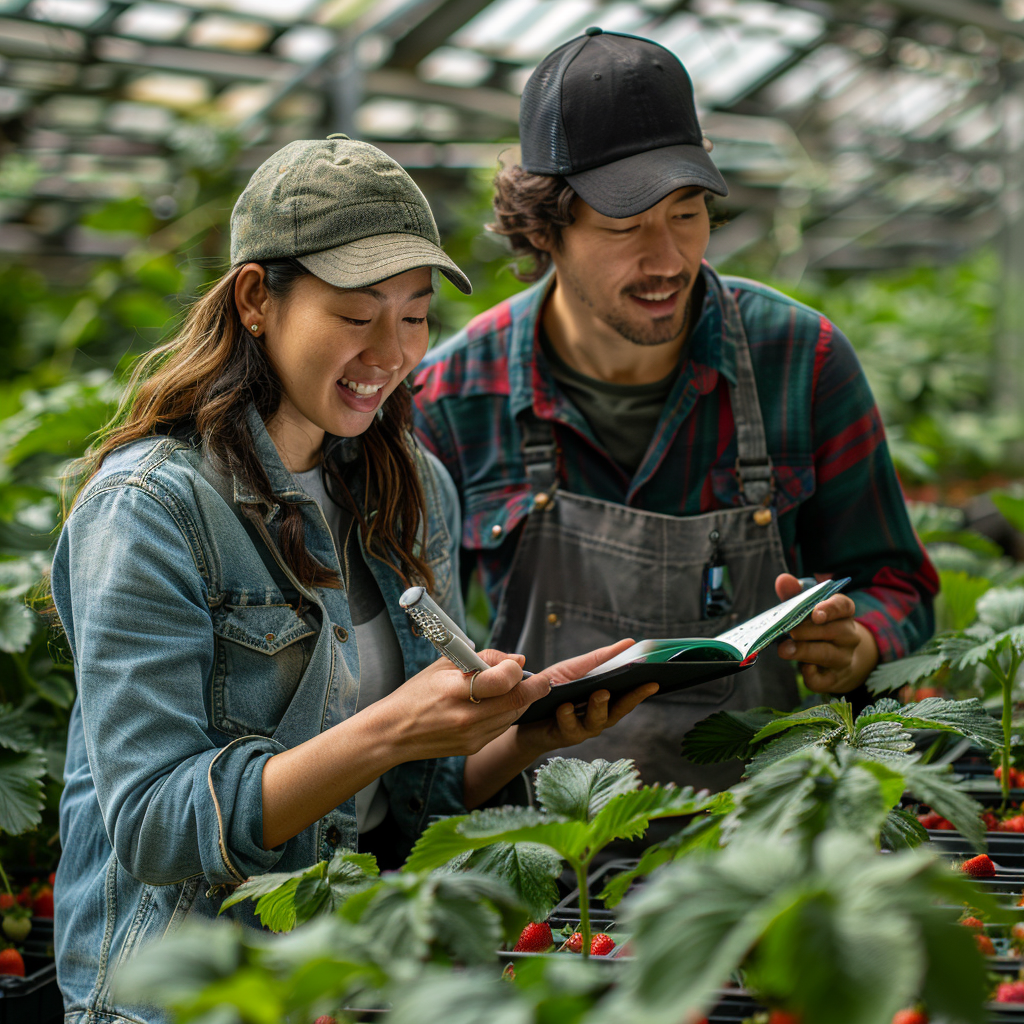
193 669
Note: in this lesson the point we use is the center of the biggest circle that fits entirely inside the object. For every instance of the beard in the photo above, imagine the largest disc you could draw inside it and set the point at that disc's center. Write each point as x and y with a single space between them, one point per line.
659 331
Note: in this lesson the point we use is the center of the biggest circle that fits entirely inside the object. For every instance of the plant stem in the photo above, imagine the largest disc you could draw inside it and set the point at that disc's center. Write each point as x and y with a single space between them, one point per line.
3 875
581 884
1004 782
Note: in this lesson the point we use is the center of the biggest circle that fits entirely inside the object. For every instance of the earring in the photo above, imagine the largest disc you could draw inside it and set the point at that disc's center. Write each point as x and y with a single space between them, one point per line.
255 328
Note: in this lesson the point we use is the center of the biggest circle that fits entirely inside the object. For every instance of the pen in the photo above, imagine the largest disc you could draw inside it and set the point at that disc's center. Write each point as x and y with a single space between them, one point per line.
442 631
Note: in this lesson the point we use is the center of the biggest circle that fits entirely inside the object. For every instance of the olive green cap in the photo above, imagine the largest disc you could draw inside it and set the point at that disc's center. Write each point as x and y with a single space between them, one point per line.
349 213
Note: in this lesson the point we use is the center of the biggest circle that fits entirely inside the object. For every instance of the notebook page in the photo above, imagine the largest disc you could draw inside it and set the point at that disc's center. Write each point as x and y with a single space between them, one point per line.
762 629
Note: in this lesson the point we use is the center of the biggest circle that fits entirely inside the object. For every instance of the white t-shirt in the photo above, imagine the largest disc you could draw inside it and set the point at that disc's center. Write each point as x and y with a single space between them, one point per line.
381 666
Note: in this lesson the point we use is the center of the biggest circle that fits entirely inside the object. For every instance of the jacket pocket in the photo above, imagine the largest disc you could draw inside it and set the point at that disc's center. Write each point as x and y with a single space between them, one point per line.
261 652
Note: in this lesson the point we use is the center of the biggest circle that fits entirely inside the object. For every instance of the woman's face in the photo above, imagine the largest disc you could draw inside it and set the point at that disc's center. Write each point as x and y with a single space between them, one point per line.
340 352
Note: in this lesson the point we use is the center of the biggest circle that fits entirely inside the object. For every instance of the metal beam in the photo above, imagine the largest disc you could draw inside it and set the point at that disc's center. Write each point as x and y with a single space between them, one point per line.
434 31
963 12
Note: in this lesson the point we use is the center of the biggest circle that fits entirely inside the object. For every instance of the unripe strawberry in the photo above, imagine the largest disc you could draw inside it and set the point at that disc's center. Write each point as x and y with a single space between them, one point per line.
16 925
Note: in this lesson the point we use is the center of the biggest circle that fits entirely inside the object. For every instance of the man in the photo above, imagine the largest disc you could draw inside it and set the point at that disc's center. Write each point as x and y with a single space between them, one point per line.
645 449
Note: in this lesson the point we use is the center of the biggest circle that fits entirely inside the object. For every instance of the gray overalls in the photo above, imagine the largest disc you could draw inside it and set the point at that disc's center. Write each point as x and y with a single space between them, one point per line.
588 572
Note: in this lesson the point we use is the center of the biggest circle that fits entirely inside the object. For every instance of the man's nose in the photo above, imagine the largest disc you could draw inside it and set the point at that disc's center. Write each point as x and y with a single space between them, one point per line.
660 255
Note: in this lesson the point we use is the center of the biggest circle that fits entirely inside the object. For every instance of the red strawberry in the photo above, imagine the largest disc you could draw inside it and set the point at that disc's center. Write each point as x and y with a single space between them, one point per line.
985 945
601 944
52 879
924 692
536 938
574 944
910 1017
1010 992
326 1019
1014 824
11 962
783 1017
979 867
1020 902
42 905
930 820
972 922
992 823
25 897
7 901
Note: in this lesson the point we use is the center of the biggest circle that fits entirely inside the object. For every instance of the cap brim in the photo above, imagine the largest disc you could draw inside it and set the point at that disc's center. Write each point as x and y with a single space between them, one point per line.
635 183
369 260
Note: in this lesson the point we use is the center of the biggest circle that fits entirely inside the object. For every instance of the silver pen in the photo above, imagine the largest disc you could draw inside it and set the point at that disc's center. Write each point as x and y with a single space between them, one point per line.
442 631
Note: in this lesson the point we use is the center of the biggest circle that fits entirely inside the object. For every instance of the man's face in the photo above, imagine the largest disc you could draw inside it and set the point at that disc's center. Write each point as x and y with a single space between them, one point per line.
635 275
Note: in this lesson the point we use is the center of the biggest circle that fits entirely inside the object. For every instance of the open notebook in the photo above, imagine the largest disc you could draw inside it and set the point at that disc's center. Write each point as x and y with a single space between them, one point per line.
687 661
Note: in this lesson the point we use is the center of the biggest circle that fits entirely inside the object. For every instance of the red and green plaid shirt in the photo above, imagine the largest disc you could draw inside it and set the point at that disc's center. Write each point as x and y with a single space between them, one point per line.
839 504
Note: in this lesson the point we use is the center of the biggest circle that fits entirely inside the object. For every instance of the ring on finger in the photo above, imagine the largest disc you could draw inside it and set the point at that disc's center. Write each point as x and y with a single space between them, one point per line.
472 680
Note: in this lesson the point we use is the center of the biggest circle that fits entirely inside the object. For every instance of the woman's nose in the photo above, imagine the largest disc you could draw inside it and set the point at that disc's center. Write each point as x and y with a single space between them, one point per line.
385 349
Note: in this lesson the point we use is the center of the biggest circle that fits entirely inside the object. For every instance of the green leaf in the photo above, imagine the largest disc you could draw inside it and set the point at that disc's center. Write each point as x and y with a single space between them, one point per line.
1011 507
17 625
1002 608
627 816
577 790
883 739
531 871
933 785
966 717
902 831
959 593
823 716
893 674
21 791
725 735
15 733
794 742
56 689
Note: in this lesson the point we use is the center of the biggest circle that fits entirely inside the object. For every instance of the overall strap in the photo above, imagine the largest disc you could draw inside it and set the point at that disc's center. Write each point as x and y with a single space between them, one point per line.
539 451
753 463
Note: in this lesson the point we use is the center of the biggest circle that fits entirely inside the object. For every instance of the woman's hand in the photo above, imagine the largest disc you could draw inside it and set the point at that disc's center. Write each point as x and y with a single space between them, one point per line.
567 729
836 653
431 714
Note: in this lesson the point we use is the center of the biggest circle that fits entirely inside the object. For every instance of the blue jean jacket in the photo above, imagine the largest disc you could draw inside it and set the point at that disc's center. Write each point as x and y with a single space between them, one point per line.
193 669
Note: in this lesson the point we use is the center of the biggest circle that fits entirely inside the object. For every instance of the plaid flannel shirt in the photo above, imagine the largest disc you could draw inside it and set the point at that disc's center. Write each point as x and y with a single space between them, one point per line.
837 498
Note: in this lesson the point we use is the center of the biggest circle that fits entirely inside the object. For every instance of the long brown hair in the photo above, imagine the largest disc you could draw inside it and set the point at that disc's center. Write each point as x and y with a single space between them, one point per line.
200 383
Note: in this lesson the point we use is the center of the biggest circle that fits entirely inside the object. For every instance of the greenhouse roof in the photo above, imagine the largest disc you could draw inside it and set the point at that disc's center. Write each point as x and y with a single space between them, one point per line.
857 134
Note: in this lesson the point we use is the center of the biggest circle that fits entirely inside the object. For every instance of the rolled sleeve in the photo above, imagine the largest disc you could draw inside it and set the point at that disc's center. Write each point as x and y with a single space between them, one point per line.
128 587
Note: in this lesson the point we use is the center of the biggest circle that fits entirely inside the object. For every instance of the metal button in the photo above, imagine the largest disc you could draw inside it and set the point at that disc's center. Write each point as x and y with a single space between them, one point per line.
341 633
763 516
334 836
496 530
552 618
540 500
269 637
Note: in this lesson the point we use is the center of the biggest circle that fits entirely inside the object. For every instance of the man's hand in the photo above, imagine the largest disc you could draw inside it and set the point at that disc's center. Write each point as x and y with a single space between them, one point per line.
566 729
836 653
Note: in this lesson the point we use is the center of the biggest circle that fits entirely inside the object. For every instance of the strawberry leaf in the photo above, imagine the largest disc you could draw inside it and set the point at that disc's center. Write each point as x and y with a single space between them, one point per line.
902 831
628 815
725 735
15 733
933 785
21 790
530 870
966 717
823 716
577 790
793 742
1002 608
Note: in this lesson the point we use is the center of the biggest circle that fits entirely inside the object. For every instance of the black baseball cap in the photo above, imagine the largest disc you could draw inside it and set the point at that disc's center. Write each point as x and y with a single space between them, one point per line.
614 115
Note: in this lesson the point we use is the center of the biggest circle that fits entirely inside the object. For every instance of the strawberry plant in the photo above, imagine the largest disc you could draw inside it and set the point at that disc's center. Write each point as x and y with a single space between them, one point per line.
583 807
994 643
772 906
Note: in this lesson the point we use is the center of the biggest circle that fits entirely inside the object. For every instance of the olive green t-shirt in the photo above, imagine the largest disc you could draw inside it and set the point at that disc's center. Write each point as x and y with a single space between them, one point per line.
623 417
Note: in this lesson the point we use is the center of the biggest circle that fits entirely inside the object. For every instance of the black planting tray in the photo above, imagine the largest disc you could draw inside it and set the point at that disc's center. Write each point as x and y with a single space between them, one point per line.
601 918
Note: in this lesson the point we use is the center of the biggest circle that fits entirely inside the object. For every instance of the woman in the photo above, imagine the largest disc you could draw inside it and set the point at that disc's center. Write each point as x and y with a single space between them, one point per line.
251 696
